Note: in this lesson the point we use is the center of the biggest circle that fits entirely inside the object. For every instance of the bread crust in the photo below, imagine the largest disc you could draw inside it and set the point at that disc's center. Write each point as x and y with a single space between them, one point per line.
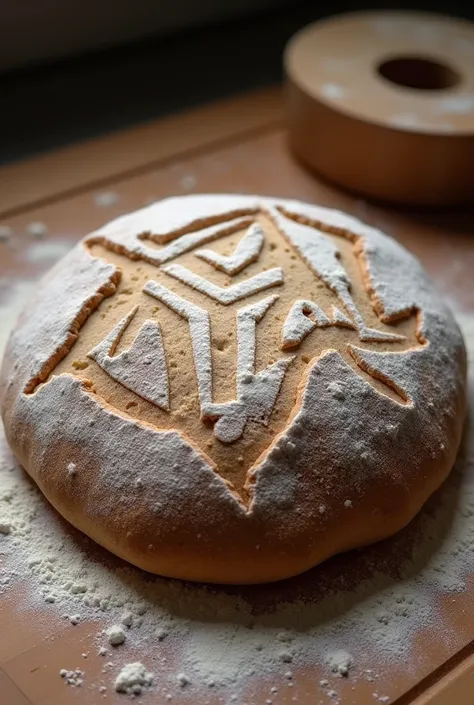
344 452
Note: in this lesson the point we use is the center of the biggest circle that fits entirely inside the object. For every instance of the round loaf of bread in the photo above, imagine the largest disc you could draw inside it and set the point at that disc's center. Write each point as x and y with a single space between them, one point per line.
233 388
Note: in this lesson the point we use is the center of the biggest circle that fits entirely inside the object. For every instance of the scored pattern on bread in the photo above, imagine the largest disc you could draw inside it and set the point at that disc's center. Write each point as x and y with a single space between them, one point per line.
206 433
246 252
142 368
256 393
340 319
298 323
323 257
231 294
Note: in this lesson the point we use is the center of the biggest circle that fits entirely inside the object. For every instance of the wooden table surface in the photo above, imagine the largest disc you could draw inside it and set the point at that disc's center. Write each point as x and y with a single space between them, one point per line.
235 146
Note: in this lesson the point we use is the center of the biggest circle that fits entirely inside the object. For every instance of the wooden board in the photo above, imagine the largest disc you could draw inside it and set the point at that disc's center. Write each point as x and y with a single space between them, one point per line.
239 145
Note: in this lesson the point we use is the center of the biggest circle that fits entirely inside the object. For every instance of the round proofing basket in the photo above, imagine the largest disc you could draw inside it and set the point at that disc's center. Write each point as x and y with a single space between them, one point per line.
383 104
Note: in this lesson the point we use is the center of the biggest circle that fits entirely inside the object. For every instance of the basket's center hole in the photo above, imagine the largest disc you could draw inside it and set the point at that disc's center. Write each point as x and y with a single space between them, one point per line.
420 73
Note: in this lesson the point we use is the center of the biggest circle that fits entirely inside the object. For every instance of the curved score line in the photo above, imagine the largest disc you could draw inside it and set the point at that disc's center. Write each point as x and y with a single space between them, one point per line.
72 333
376 374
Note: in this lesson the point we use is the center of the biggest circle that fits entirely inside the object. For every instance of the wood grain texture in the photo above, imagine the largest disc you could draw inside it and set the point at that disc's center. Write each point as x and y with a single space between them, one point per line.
10 693
457 687
52 176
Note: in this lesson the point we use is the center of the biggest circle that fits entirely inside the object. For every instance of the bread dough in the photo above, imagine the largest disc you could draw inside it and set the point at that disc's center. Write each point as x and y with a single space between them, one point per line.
217 369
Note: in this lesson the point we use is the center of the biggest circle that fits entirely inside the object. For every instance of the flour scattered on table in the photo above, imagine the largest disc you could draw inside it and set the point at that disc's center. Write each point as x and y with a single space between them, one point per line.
115 635
133 678
188 182
16 292
37 229
127 618
340 662
106 198
71 469
74 678
48 252
183 680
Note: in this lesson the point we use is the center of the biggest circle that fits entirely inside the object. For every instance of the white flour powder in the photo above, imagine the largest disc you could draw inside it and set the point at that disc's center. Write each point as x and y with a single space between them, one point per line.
106 198
340 662
218 638
47 252
132 678
115 635
18 292
74 678
37 229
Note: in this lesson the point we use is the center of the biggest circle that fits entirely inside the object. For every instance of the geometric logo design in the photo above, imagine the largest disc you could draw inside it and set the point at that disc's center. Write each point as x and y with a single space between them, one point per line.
227 295
256 392
246 252
143 367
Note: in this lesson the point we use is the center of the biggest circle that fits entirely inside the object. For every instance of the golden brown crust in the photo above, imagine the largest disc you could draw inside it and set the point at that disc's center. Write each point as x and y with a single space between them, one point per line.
356 423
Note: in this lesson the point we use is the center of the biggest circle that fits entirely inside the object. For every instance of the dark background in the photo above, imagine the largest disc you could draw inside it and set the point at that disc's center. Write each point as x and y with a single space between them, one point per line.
65 78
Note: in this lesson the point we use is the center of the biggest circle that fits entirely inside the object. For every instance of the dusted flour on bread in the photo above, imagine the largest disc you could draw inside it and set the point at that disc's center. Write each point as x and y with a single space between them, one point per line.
244 386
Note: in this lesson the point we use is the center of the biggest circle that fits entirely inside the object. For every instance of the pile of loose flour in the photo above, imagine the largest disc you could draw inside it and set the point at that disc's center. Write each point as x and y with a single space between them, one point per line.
351 613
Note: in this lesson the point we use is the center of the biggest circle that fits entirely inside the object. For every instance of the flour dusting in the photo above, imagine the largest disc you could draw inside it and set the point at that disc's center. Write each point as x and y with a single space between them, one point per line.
106 199
115 635
37 229
340 662
223 638
74 678
16 292
47 252
132 678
